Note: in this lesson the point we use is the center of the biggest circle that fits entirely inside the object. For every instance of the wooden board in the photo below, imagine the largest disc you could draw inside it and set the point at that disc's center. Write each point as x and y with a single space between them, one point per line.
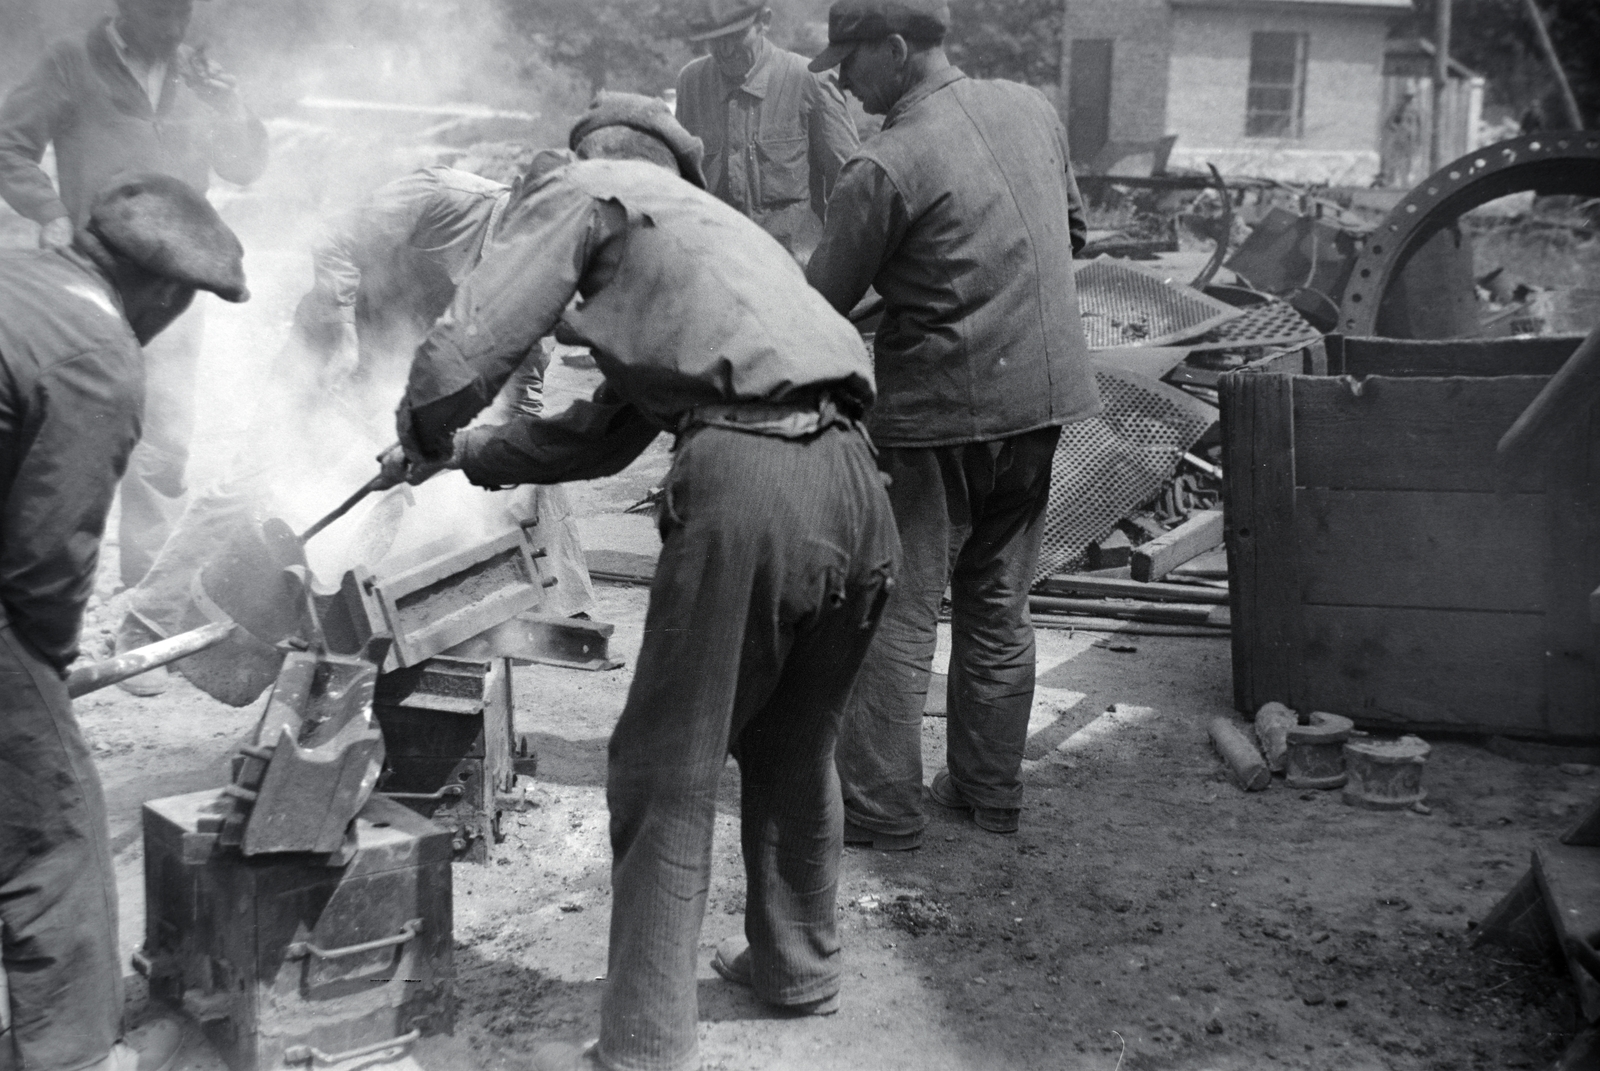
1425 669
1406 435
1569 877
1572 525
1431 549
1451 357
1076 584
1258 455
1200 533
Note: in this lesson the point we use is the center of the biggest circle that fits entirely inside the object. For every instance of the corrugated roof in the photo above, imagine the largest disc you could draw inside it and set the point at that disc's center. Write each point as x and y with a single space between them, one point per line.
1391 6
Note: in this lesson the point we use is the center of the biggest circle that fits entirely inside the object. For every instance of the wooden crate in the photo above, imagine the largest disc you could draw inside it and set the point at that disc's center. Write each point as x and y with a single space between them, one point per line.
1379 572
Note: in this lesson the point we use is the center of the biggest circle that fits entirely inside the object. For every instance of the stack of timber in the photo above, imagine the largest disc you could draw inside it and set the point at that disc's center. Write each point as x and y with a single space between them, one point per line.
1379 566
1135 591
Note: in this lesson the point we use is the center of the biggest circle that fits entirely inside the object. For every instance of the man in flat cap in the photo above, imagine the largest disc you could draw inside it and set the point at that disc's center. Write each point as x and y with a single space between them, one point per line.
382 273
72 321
777 545
964 215
131 97
775 134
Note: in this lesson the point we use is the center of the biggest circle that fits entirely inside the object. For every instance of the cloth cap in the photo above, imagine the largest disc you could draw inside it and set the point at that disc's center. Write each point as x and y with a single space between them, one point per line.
648 115
714 18
857 22
163 226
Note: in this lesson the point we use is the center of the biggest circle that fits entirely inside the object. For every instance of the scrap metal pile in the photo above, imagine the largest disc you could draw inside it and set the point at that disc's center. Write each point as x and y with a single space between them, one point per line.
1133 529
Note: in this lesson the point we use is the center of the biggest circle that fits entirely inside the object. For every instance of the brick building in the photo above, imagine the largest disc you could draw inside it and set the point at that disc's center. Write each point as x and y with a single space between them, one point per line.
1290 89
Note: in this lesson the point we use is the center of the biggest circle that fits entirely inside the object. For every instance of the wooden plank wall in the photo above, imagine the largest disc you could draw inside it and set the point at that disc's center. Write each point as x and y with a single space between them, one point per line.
1383 570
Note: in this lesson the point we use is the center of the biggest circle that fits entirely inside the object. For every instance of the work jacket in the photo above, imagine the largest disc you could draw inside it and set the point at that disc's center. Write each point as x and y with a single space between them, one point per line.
391 265
964 214
71 399
774 143
685 303
82 99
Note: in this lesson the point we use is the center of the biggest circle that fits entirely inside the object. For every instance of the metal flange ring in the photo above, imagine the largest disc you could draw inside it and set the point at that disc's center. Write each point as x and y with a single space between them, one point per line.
1550 163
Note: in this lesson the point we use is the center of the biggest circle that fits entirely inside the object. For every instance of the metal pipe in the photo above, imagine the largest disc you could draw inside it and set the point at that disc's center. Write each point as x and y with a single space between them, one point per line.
1441 81
1549 49
97 675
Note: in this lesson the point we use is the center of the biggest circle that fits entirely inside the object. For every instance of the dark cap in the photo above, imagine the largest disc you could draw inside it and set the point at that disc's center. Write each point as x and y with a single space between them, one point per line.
858 22
167 228
715 18
648 115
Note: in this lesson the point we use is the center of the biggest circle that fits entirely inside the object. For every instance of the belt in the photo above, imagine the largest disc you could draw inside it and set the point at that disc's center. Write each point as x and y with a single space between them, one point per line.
784 420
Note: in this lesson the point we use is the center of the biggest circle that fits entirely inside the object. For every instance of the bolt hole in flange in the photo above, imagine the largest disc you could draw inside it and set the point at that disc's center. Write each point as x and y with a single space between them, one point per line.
1564 265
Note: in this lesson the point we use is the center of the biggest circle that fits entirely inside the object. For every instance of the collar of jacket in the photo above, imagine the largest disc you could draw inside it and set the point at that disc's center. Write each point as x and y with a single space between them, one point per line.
922 91
755 83
128 95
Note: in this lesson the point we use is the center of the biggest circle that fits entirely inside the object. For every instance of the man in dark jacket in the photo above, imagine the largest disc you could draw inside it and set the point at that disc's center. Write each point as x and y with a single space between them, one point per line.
775 134
130 97
72 322
964 214
776 555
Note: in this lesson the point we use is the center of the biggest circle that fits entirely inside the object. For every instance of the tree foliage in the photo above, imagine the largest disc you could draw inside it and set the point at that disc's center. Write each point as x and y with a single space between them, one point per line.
1496 39
1015 39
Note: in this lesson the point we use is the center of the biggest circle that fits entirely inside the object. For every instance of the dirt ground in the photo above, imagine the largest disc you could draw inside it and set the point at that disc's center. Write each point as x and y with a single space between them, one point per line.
1148 915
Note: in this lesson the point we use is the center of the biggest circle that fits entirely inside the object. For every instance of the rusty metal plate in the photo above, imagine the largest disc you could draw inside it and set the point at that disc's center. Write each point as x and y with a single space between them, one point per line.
1125 304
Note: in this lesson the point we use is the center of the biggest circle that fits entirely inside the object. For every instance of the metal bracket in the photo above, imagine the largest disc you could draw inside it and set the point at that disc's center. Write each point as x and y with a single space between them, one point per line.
300 949
308 1054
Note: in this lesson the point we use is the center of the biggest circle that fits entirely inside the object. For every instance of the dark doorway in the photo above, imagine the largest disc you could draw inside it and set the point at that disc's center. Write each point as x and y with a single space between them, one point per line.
1089 97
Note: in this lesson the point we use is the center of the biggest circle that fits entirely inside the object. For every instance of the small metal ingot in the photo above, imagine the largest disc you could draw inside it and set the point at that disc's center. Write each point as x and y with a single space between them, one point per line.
1385 775
1315 755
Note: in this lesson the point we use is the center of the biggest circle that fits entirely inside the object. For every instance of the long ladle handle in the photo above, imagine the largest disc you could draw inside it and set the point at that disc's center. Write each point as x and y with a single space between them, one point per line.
341 509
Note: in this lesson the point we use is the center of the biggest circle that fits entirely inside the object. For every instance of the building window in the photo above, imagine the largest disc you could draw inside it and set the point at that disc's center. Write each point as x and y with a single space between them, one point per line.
1275 107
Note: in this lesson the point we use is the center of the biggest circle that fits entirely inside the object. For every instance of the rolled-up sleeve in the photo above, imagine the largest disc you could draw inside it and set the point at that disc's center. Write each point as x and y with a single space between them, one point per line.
501 311
866 223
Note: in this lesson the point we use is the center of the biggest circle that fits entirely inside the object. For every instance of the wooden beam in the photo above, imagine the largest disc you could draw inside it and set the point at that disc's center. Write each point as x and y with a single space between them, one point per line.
1078 584
1200 533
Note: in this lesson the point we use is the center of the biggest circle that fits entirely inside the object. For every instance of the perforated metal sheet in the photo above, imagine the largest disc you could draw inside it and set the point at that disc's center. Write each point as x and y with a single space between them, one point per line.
1124 304
1109 466
1272 323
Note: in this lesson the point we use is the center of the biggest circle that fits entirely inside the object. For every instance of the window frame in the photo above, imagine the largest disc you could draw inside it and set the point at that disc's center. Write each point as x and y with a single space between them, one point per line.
1276 124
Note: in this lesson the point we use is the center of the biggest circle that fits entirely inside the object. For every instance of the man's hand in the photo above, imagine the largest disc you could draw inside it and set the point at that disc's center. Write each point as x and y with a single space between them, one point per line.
57 234
395 467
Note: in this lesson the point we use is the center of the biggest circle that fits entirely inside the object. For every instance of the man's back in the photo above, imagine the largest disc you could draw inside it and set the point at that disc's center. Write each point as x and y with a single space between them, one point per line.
966 193
70 399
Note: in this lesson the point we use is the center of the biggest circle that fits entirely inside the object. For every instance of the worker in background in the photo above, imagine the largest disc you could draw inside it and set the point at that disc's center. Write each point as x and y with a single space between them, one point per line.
130 96
778 546
382 272
72 321
964 215
775 134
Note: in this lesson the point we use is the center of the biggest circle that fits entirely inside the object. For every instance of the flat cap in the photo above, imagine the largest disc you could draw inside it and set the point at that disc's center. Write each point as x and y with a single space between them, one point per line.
858 22
164 226
648 115
716 18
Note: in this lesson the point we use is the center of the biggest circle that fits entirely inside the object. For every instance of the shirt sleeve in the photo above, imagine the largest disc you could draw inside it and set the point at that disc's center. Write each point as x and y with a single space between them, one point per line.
28 118
67 447
866 223
510 301
833 138
589 440
1077 222
370 232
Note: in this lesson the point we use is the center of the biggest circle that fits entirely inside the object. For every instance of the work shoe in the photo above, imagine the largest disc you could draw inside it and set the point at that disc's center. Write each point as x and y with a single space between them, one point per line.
565 1056
132 634
732 961
152 1047
994 819
861 836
